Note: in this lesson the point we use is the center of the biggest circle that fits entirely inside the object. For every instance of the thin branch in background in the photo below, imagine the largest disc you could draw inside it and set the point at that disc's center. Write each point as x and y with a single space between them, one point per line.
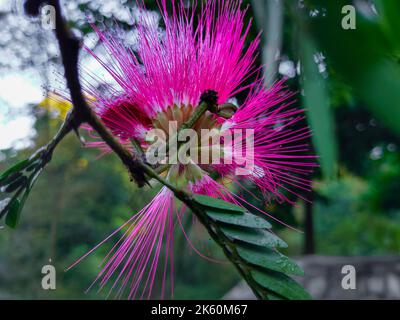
269 17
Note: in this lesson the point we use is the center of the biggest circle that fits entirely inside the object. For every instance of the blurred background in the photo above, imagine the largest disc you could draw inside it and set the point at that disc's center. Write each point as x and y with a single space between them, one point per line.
347 77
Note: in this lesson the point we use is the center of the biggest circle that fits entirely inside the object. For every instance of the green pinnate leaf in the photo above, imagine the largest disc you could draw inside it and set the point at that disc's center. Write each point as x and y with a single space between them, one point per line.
19 180
272 296
280 284
219 205
14 209
10 178
269 259
15 168
245 219
13 214
254 236
15 185
251 246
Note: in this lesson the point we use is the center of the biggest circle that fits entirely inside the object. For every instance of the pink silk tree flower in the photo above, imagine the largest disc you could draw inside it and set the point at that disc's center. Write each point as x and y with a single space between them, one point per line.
200 55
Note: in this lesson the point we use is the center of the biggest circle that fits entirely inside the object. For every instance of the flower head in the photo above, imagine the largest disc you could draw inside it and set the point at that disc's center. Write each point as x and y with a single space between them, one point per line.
167 78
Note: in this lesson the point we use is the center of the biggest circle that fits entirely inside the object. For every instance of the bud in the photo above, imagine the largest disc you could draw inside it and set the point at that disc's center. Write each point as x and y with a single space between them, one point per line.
226 110
211 98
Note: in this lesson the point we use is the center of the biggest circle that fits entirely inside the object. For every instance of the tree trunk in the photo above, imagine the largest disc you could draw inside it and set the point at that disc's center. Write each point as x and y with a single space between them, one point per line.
309 243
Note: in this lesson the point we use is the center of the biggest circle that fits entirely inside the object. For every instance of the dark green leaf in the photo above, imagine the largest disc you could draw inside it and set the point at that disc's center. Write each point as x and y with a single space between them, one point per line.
245 219
18 183
269 259
210 202
272 296
13 214
254 236
280 284
10 178
33 166
16 168
248 237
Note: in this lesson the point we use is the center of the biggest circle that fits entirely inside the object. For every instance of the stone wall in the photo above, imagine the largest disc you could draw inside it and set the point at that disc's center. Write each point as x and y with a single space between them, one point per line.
375 278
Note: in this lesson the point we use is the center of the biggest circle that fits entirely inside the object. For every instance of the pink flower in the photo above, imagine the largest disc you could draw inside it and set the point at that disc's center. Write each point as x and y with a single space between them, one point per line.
163 80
